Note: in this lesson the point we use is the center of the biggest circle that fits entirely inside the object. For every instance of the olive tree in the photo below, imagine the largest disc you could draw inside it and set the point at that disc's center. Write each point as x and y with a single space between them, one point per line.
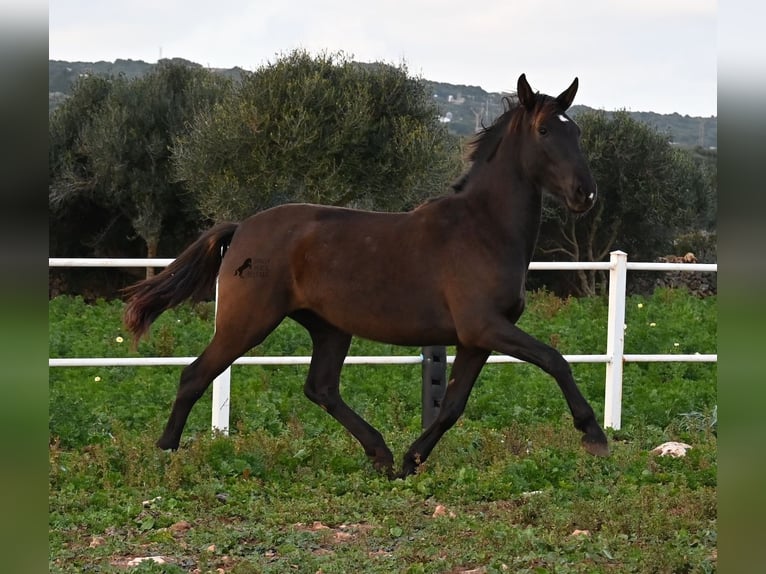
112 142
318 129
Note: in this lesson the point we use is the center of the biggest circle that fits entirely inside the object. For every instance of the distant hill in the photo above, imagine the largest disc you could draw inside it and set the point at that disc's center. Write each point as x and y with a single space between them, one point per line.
462 107
467 107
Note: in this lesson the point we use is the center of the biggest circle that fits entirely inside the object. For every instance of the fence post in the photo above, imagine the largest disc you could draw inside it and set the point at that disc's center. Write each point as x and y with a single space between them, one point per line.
221 391
434 383
615 342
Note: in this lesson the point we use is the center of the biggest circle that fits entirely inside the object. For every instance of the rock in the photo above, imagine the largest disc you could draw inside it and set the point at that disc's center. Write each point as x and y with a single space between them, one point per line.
179 528
531 493
136 561
148 503
441 510
672 448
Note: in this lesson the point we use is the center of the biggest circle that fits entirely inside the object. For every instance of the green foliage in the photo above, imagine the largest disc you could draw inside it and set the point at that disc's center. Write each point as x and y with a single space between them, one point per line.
695 180
660 325
67 156
111 146
317 129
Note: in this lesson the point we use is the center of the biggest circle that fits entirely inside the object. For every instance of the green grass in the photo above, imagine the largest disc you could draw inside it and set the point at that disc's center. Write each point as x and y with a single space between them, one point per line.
290 491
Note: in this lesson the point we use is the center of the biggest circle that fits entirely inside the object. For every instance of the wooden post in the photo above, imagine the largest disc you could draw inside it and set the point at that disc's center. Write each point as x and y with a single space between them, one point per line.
434 383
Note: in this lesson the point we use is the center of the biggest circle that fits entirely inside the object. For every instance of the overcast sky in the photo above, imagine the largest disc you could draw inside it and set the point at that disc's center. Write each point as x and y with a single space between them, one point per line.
640 55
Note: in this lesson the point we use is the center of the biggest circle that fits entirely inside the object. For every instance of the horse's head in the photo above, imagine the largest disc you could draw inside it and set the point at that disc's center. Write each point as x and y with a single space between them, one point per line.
549 149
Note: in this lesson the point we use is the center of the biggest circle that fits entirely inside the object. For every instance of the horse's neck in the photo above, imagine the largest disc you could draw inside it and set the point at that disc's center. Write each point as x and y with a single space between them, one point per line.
512 207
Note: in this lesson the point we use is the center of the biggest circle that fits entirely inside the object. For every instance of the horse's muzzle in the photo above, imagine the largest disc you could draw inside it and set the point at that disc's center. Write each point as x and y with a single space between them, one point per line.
582 198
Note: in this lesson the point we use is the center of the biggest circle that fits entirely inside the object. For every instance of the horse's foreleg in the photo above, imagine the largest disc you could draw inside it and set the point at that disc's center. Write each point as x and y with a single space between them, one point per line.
465 370
322 387
508 339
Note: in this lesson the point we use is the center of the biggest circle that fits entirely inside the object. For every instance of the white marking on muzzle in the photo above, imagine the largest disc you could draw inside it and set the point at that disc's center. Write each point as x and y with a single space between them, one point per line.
590 195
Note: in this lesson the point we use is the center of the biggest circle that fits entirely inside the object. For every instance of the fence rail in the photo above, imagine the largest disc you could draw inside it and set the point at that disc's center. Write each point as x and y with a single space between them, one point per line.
360 360
614 358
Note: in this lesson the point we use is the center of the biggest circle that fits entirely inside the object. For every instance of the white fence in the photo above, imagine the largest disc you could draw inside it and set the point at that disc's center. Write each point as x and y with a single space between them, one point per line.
618 266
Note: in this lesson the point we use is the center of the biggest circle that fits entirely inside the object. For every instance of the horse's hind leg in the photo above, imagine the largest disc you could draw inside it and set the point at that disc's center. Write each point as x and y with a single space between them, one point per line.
322 387
232 339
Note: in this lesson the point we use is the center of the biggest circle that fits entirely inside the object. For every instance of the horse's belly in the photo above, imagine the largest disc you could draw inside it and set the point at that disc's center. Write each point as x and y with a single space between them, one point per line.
381 310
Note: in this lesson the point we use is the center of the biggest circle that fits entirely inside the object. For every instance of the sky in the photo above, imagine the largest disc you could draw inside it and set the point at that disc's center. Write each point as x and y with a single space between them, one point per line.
638 55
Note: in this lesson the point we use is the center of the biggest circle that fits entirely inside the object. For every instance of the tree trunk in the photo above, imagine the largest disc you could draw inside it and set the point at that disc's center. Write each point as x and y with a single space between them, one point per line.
151 253
587 281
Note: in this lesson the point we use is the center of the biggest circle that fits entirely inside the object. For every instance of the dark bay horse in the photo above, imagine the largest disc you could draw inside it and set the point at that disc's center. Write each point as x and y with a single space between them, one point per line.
451 272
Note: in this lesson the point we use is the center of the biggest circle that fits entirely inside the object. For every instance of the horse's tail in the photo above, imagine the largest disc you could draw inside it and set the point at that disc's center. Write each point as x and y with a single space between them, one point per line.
190 276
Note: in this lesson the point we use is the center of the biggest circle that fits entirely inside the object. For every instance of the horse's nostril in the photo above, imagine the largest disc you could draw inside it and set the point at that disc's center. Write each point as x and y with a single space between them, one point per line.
581 193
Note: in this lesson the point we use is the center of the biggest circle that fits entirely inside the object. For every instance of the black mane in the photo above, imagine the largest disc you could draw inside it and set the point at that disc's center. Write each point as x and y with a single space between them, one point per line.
483 145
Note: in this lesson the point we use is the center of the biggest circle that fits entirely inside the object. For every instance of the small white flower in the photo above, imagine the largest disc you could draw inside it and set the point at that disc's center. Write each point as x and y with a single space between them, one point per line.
676 344
640 305
97 379
119 339
652 324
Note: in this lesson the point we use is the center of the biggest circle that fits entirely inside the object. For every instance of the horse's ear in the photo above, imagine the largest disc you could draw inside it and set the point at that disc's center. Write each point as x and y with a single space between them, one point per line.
525 93
566 97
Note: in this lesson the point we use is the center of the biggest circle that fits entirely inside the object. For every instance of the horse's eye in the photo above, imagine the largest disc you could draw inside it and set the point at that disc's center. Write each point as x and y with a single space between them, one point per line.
542 130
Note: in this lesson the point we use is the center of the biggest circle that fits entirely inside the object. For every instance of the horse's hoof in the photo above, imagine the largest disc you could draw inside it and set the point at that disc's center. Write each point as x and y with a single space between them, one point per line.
386 470
166 446
385 466
403 474
595 447
409 467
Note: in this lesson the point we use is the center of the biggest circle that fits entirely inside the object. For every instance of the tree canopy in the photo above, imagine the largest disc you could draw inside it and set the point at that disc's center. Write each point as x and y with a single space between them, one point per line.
111 144
321 130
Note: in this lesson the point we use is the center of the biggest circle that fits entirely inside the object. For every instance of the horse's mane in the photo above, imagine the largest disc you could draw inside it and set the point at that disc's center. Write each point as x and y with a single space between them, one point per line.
484 144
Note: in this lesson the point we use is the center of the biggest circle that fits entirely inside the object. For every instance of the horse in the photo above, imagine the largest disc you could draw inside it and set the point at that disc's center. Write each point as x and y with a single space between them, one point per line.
449 272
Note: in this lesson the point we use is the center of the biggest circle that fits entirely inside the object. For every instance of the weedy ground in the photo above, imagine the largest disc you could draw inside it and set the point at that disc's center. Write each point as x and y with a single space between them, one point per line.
508 489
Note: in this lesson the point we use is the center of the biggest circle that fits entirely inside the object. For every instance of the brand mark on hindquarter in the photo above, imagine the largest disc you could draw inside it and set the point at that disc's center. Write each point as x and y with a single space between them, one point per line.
246 264
253 268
